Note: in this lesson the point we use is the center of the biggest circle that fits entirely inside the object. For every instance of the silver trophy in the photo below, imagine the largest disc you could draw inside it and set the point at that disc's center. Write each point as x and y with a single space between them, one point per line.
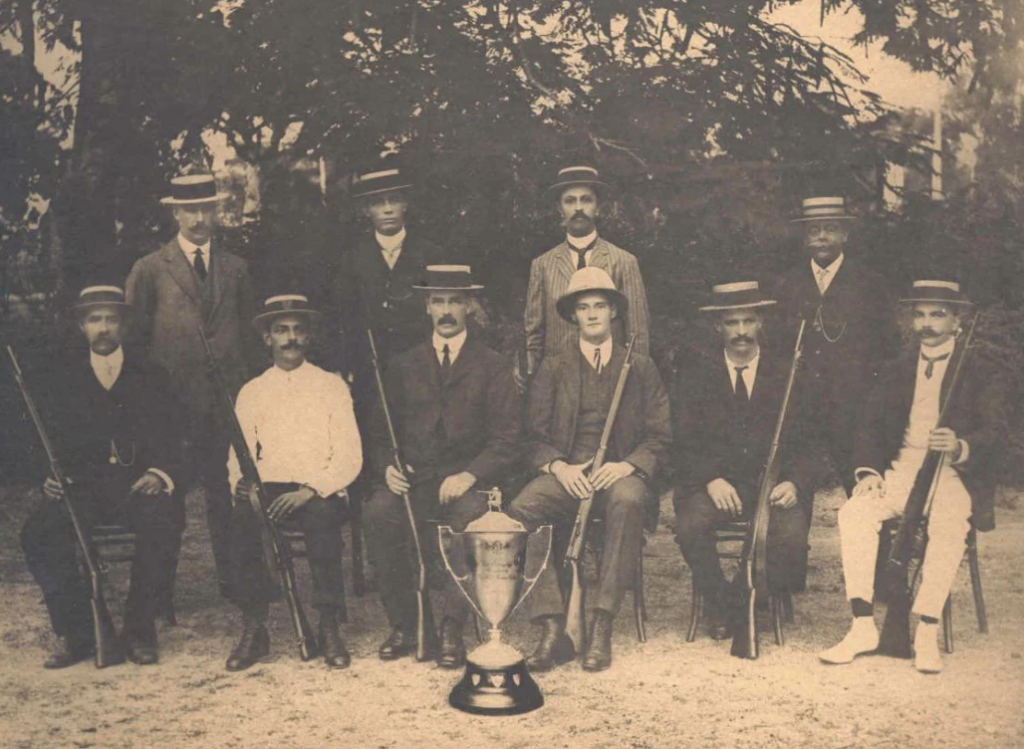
495 563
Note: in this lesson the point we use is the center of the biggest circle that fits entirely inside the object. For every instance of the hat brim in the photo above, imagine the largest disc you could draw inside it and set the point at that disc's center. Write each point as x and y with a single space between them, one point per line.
195 201
566 306
379 190
936 300
577 183
805 219
747 305
264 317
472 287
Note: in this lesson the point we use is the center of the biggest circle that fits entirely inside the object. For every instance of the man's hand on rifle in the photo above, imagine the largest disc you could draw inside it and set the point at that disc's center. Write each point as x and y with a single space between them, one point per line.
609 473
783 495
289 502
396 481
870 485
944 440
455 486
148 485
52 489
725 497
573 477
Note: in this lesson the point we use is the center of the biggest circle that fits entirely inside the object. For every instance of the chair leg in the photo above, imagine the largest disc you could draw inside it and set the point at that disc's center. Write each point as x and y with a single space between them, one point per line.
787 606
979 596
696 609
639 602
776 608
947 626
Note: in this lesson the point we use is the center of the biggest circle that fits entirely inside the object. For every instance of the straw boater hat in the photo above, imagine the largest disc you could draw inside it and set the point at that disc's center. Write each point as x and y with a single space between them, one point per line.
448 278
739 295
193 189
285 304
379 180
938 292
576 175
824 209
588 280
100 296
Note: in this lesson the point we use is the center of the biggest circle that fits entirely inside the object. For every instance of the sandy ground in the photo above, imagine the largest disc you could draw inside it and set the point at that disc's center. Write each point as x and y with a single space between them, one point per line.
663 693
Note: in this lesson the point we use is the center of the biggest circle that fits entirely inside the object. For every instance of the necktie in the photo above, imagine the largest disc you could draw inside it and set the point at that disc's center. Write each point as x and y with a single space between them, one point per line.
581 258
742 394
446 363
822 275
597 360
930 369
199 265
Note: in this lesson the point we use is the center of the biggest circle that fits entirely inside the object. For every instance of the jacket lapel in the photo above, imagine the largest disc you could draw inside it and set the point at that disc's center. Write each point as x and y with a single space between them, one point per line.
565 261
181 271
217 281
463 363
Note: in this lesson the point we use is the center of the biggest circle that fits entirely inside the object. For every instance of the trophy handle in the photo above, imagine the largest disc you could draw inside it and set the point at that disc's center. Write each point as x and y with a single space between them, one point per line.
540 536
448 540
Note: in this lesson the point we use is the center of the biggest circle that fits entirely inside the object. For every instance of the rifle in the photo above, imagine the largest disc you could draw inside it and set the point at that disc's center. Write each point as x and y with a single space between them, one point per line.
426 634
575 611
109 649
754 559
276 553
911 537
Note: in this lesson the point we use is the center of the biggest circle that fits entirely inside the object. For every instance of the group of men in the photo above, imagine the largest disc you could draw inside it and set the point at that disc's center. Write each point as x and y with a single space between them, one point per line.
140 427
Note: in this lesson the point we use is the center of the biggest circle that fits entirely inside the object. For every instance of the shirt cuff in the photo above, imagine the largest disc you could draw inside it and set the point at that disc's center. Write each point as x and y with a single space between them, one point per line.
864 471
965 453
165 477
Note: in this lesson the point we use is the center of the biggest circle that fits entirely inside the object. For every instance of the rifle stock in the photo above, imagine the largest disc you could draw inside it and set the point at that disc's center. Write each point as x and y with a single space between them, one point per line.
109 649
575 610
426 633
277 558
754 559
911 538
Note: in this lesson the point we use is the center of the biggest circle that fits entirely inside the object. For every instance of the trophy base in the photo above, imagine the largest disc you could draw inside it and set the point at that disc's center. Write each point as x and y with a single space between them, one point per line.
498 688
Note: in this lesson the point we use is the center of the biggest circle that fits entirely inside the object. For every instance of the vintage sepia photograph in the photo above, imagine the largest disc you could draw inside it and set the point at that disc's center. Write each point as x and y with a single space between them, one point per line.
533 373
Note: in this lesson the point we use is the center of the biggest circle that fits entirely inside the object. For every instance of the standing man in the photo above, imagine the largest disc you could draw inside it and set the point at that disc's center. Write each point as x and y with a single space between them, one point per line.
456 415
116 431
849 315
568 405
726 410
299 425
194 282
897 429
577 189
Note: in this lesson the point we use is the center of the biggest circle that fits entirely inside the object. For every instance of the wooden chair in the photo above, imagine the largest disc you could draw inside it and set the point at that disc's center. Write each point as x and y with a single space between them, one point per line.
115 544
733 535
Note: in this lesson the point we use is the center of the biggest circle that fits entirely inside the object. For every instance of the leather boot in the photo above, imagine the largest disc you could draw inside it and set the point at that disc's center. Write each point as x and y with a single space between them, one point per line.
555 646
453 648
68 652
398 644
599 649
336 655
253 645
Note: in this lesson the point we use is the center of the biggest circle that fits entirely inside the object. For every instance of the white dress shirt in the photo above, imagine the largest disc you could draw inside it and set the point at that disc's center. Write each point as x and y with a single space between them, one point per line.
749 374
189 249
454 345
300 428
390 246
579 243
588 350
823 276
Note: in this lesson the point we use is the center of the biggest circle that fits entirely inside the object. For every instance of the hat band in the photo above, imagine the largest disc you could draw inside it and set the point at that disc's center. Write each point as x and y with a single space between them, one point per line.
737 298
824 212
206 190
448 279
950 285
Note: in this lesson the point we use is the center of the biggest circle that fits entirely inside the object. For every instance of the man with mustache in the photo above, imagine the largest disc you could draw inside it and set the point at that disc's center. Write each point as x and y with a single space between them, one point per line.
117 434
569 400
300 428
897 429
850 330
456 414
578 192
726 410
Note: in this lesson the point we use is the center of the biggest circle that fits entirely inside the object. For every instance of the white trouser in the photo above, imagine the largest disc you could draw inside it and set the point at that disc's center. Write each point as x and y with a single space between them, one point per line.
861 518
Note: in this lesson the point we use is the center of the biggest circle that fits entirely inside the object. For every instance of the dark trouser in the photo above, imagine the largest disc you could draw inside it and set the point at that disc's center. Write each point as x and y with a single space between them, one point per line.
390 546
208 457
50 547
320 520
696 520
544 501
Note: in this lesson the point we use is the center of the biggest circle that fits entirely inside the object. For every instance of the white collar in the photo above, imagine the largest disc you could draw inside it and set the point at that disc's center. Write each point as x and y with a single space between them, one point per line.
932 351
454 344
276 371
750 365
588 349
831 269
189 248
112 362
390 243
580 243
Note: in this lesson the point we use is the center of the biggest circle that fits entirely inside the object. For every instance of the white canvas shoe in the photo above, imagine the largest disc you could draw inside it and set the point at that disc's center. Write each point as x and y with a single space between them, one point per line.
862 638
927 658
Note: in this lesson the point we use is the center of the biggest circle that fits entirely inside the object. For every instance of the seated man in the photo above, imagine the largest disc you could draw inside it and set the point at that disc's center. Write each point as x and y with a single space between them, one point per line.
300 428
898 427
456 415
726 410
568 404
118 437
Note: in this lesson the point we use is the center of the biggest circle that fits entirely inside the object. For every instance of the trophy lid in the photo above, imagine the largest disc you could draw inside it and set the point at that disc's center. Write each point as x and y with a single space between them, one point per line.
494 520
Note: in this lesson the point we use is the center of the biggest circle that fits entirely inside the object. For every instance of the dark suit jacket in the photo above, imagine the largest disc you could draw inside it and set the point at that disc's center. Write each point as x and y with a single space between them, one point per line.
715 439
138 413
477 409
170 306
642 434
977 416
